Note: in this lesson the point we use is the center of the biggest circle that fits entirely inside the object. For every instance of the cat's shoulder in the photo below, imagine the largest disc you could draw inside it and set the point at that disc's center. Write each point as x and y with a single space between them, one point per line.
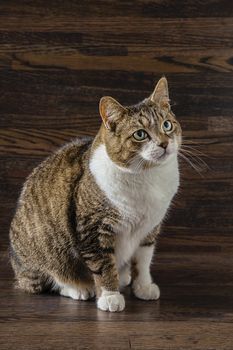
63 159
74 149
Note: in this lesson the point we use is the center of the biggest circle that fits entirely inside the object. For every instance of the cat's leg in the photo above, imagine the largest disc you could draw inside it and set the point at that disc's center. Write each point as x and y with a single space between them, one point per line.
143 286
107 283
125 276
109 298
100 259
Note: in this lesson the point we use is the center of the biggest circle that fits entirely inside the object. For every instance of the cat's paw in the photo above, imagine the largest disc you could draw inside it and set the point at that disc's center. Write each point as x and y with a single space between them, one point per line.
87 294
147 291
111 301
77 293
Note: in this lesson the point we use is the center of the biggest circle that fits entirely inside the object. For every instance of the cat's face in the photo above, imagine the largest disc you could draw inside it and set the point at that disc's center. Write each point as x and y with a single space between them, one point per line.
141 136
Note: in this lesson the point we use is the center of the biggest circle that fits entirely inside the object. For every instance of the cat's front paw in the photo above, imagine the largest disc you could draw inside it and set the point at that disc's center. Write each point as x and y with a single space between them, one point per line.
146 291
111 301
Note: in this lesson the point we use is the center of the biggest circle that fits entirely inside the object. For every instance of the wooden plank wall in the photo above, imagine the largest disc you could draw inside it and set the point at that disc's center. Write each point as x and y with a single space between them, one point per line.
57 58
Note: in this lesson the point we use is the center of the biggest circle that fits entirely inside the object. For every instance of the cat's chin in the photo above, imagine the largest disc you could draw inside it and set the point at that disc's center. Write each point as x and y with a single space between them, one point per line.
165 158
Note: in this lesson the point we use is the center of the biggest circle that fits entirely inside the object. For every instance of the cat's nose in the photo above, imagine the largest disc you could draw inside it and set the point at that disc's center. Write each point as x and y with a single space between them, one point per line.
163 144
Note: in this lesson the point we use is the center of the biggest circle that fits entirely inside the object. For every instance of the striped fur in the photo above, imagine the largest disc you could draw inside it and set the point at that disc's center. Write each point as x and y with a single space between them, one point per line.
67 230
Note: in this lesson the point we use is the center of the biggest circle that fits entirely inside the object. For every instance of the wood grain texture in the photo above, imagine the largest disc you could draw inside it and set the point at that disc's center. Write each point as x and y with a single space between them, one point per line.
12 9
57 59
194 312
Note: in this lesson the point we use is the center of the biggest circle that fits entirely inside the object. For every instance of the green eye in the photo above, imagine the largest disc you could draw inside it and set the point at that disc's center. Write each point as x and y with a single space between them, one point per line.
140 135
167 126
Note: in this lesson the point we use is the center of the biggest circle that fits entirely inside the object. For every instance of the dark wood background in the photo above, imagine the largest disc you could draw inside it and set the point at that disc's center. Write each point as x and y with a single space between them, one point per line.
57 58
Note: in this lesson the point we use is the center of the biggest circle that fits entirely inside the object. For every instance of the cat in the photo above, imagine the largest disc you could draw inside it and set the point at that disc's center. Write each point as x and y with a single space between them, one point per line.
88 216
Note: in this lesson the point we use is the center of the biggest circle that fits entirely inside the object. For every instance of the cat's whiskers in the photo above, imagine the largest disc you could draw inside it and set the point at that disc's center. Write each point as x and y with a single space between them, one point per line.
195 167
188 140
115 208
191 143
194 150
139 165
133 163
137 162
196 162
193 155
202 166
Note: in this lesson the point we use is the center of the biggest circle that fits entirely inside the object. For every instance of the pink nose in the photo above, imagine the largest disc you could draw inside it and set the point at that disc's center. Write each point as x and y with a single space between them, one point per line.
163 144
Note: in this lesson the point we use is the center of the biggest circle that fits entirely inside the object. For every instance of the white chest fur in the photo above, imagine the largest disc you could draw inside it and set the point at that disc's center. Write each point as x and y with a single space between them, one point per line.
142 199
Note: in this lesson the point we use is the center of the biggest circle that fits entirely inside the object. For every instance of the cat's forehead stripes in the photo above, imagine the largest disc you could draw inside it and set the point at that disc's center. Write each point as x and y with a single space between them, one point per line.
146 115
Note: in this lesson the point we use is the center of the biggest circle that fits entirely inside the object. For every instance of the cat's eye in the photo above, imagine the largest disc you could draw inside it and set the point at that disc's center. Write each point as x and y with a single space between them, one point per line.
167 126
140 135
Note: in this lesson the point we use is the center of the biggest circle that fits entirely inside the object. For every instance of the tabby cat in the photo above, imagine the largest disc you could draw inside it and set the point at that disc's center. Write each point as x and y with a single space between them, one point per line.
88 216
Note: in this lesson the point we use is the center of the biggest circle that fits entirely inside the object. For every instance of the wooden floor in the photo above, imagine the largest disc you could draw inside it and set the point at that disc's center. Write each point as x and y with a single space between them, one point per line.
57 59
195 312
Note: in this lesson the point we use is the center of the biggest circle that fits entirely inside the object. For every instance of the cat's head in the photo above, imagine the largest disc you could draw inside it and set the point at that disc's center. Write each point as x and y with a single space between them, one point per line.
143 135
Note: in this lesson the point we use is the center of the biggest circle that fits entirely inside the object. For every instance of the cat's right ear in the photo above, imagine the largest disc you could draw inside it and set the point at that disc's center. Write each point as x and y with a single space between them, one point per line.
110 111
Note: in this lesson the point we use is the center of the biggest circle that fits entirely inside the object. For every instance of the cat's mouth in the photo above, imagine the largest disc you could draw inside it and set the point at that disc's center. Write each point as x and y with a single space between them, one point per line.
165 154
159 157
155 157
162 155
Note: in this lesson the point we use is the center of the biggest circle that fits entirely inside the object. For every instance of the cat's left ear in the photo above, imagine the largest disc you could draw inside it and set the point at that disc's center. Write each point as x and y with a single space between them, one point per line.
111 111
160 95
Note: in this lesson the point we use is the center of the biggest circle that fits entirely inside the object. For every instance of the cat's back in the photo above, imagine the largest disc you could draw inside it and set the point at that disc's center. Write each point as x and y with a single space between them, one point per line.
45 198
60 169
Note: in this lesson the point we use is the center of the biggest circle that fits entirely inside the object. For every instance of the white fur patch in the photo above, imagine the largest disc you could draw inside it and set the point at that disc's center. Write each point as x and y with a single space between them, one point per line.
151 151
76 293
147 291
125 276
111 301
143 257
143 287
142 199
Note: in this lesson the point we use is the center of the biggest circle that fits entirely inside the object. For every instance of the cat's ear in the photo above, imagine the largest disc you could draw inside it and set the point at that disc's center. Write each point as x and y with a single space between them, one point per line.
110 111
160 95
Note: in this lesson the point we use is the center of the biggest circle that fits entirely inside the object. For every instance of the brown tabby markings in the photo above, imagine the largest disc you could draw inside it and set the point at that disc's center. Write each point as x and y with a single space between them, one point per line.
120 145
60 198
63 228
